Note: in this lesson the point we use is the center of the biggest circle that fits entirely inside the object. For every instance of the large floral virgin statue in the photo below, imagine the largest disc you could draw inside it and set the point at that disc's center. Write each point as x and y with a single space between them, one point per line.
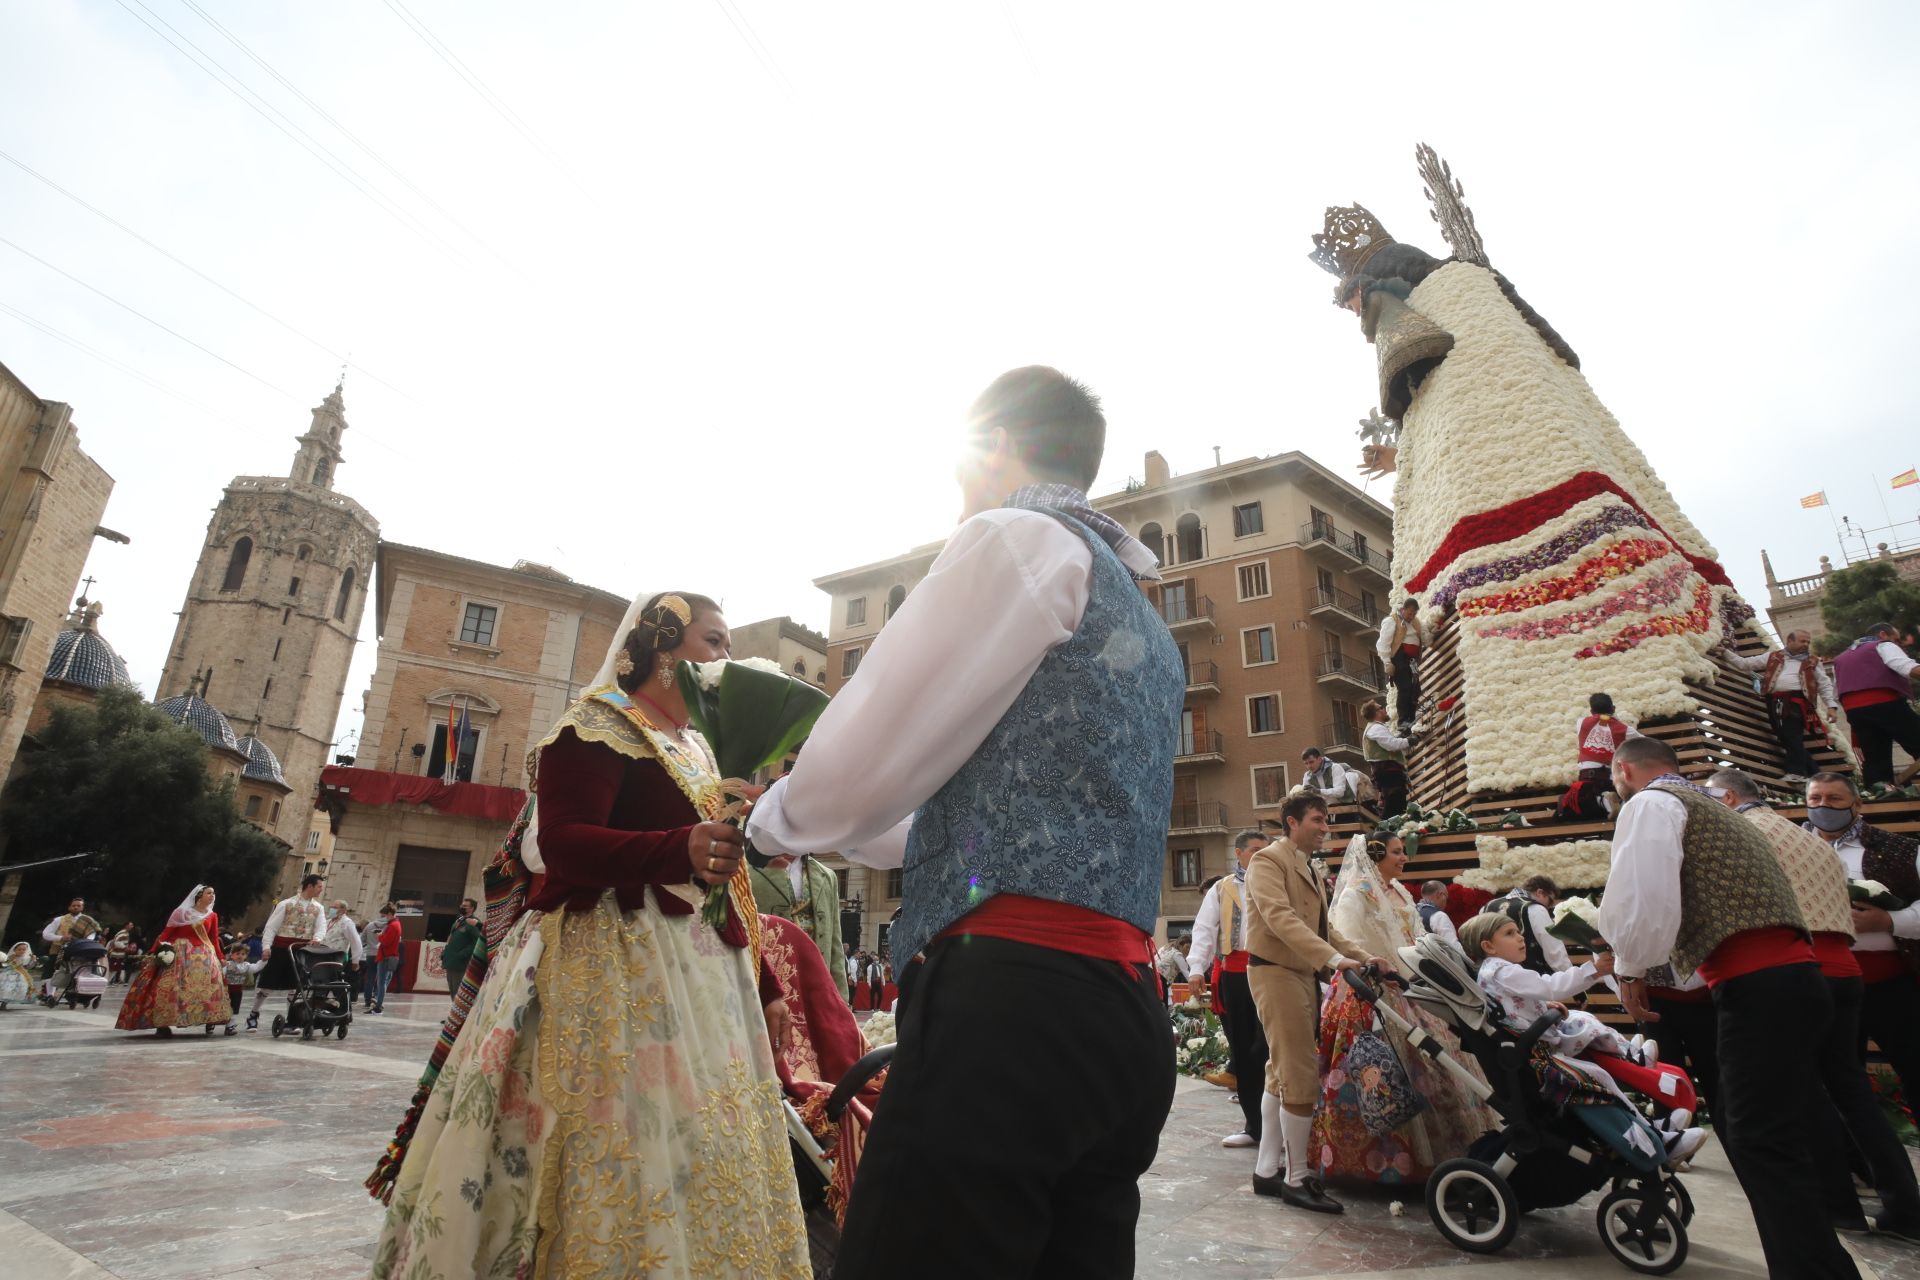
1521 505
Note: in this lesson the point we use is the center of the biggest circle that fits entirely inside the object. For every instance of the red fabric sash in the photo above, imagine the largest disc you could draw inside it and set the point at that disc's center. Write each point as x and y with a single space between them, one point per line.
1754 950
1834 953
1058 926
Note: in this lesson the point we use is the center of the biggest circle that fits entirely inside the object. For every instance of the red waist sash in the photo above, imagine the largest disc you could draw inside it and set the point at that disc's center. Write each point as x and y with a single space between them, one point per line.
1754 950
1882 966
1058 926
1834 952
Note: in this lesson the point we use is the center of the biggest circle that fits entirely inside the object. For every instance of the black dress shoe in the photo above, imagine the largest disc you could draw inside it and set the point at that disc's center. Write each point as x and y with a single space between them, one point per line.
1274 1186
1310 1195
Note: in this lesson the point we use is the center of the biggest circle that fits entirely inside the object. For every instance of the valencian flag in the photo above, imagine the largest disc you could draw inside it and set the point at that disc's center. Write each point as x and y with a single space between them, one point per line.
1815 499
1906 478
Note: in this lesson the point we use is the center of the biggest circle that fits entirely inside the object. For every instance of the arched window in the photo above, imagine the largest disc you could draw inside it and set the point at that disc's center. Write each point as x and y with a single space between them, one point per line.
237 565
1187 538
895 598
1150 535
320 472
346 594
304 553
800 667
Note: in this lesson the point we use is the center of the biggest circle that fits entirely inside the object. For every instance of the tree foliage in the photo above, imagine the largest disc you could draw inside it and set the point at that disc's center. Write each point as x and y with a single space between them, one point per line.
1863 594
120 778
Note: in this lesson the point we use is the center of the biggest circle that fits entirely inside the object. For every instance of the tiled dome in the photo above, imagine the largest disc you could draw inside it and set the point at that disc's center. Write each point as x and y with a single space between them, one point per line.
261 762
81 656
204 720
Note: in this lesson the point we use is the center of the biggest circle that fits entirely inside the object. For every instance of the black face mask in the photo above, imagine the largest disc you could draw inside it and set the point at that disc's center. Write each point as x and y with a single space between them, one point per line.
1830 820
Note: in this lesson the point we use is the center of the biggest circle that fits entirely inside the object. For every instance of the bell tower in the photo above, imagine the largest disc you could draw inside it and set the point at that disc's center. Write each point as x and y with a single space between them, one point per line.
273 610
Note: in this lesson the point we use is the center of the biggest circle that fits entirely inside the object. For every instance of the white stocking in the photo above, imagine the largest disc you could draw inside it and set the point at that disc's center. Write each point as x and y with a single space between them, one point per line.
1299 1131
259 998
1272 1140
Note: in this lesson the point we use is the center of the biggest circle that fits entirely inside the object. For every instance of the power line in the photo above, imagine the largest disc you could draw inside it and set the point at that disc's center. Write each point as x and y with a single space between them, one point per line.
299 136
754 45
188 266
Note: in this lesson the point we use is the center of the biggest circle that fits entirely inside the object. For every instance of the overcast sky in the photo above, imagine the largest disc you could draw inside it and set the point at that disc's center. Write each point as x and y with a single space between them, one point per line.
693 294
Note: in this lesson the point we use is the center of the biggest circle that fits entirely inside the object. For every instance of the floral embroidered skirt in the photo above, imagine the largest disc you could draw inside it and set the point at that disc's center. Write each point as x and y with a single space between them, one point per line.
609 1110
1343 1147
187 993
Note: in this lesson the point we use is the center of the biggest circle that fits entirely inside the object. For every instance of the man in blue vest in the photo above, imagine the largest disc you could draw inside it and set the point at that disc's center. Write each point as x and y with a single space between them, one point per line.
1009 741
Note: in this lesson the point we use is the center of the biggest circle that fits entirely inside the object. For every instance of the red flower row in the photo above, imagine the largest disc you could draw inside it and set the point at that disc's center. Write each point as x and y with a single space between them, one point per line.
1698 618
1663 589
1617 560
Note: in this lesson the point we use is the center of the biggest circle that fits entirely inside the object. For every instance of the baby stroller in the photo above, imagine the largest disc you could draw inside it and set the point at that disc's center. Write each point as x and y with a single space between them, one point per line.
321 1000
1561 1150
79 976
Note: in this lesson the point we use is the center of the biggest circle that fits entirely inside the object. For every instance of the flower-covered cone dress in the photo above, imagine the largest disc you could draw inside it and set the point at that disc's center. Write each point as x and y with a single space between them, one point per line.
187 993
610 1107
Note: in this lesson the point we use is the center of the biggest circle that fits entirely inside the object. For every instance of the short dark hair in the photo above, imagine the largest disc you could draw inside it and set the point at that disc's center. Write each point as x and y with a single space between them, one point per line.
312 879
1300 804
1311 752
1646 751
1843 779
1541 884
1411 602
1247 837
388 909
469 904
1371 708
1053 422
1600 704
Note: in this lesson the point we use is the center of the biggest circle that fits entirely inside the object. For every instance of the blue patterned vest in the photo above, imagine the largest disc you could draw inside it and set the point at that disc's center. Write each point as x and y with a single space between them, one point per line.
1067 799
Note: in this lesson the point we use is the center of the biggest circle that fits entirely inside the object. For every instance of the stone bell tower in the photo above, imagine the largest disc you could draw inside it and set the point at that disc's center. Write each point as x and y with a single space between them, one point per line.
271 614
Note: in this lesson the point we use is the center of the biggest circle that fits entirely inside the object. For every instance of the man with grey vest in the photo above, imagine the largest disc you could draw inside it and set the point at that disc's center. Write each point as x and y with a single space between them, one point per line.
1696 885
1020 710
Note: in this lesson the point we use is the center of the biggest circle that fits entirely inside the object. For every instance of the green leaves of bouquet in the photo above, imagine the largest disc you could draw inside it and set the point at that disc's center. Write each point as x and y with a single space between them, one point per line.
752 714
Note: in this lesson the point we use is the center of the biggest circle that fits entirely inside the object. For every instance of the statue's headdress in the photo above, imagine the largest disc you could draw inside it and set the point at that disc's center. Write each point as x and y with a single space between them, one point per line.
1352 236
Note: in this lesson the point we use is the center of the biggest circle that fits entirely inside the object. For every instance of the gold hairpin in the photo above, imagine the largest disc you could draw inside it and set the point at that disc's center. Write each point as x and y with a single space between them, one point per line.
677 607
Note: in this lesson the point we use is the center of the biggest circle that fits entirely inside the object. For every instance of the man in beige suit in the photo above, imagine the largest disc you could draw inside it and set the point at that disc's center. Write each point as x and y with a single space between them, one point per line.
1290 941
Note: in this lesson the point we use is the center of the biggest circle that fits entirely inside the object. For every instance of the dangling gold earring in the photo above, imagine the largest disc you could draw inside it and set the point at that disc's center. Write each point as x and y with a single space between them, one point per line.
623 665
666 673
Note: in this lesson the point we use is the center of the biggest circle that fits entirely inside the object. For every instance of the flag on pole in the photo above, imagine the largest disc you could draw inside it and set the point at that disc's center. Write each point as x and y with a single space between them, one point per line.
463 739
453 744
1906 478
1815 499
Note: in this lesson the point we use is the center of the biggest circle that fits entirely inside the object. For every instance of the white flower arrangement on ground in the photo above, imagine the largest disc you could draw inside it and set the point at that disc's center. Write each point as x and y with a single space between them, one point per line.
879 1030
1571 864
1200 1042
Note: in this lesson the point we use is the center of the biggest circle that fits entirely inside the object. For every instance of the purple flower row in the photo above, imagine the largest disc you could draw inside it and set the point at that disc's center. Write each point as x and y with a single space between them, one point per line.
1555 550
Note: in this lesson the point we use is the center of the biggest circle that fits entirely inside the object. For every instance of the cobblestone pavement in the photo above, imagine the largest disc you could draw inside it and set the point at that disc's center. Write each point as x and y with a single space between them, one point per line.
125 1155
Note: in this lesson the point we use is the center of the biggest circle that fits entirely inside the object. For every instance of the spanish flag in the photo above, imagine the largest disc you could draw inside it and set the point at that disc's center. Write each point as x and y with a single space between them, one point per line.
1906 478
1815 499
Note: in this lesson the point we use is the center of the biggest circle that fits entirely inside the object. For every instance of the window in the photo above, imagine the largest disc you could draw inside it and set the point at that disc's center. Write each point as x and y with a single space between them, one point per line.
13 638
857 611
313 841
799 667
849 663
237 565
840 876
346 594
1360 544
1256 646
1174 600
1370 607
1325 581
436 757
267 689
304 553
276 812
1247 520
1263 713
285 614
276 648
293 587
1269 785
1155 542
1322 523
320 472
477 626
1186 868
253 806
1253 581
895 598
893 882
1189 539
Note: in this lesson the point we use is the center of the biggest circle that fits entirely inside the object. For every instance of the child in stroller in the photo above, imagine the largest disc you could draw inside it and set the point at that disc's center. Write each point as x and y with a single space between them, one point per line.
79 976
321 1000
1564 1135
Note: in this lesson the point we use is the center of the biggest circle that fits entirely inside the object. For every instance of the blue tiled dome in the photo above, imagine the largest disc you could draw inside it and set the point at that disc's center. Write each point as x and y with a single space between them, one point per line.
261 762
80 656
202 719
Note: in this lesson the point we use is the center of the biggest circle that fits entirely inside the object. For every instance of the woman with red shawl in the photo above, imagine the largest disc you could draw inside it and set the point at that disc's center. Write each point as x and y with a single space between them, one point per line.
186 991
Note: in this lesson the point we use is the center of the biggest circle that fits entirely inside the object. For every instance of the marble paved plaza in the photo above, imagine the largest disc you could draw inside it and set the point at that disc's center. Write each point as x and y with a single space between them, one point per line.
123 1155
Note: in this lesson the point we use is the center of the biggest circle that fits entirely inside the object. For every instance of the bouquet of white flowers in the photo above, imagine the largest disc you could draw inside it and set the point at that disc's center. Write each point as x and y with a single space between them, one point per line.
163 954
1576 921
1873 893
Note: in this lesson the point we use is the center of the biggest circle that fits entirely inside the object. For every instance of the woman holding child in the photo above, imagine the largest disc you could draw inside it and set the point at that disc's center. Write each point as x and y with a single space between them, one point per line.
1372 909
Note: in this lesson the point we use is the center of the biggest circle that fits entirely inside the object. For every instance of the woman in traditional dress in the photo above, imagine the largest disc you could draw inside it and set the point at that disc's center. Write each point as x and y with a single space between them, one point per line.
610 1107
190 991
1376 912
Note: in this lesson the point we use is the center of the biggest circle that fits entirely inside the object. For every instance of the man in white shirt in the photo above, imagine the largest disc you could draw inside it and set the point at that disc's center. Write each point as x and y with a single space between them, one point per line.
1220 937
1386 754
1874 678
1331 780
1020 709
1402 639
295 922
1531 907
1792 681
1433 912
1695 884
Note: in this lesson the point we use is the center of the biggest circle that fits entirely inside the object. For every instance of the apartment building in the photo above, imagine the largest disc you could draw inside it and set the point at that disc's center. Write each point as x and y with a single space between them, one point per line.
1275 575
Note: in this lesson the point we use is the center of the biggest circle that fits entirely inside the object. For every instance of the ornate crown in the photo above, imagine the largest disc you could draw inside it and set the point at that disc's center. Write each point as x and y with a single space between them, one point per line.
1352 236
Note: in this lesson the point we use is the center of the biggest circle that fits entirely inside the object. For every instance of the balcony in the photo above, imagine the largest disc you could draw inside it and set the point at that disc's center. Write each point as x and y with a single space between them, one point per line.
1206 747
1344 669
1341 740
1203 678
1377 563
1188 614
1198 818
1343 610
1345 550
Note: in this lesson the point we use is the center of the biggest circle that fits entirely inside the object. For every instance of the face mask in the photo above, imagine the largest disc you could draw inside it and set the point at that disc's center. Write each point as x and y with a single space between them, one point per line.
1830 820
333 913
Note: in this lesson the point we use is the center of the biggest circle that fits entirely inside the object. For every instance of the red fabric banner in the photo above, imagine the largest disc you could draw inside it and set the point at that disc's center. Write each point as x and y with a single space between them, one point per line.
377 787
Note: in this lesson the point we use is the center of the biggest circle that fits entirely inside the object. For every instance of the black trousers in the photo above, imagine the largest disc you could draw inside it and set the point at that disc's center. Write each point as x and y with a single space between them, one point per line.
1391 777
1406 687
1878 727
1890 1017
1005 1144
1771 1105
1859 1117
1789 719
1689 1036
1246 1045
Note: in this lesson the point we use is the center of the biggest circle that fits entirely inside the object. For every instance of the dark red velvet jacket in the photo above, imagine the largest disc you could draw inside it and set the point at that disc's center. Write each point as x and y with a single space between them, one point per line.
608 821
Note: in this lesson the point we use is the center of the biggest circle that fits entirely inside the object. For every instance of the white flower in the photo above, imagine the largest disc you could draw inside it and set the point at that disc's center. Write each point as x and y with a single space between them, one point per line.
1197 1042
707 674
879 1030
1397 1210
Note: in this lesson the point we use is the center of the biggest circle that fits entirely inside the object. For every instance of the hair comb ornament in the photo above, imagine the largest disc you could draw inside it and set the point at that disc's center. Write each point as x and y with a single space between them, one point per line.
676 606
1352 235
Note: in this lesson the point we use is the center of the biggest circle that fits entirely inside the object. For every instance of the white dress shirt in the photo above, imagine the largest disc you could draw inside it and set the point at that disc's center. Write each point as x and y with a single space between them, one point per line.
1640 915
1788 680
1010 586
1384 646
1552 950
1441 926
272 929
1380 733
1896 657
342 935
1206 930
1906 921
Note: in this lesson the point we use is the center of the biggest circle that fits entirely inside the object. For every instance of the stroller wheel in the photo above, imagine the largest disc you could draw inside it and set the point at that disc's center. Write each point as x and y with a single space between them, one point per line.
1642 1234
1472 1206
1677 1196
341 1031
94 1003
279 1026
